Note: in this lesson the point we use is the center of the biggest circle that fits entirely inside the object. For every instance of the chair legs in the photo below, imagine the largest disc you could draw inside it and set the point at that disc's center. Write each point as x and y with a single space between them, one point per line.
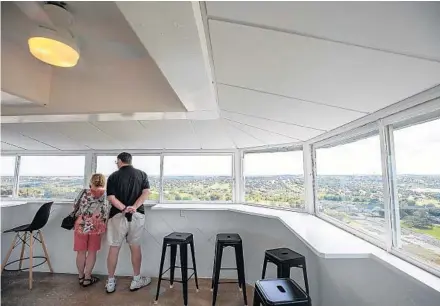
46 253
23 244
24 236
5 261
31 255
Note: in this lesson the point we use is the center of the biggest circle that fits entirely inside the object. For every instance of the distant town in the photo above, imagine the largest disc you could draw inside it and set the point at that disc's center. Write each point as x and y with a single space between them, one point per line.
355 200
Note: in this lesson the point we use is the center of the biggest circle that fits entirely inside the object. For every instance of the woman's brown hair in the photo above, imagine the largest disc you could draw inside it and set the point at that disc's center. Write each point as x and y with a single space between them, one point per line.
97 180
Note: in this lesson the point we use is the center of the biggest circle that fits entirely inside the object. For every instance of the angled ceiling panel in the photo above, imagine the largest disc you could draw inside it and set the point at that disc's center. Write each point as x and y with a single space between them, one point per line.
131 134
289 130
212 134
14 138
7 147
283 109
346 21
87 135
241 138
46 133
316 70
175 134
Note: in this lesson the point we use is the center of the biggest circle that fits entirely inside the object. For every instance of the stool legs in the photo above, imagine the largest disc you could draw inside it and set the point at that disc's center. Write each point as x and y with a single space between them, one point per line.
173 256
218 264
162 260
213 268
240 269
257 301
263 274
5 261
193 255
184 265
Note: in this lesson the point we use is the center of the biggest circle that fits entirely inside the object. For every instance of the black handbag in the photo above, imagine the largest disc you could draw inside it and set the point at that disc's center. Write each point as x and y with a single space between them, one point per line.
68 222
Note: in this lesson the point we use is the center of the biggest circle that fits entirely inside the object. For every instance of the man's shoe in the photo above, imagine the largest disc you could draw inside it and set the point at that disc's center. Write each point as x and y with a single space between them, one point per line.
110 286
138 283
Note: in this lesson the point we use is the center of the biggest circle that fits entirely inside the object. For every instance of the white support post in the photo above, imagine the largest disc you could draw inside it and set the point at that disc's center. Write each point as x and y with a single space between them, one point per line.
89 168
391 205
239 177
309 180
16 176
161 197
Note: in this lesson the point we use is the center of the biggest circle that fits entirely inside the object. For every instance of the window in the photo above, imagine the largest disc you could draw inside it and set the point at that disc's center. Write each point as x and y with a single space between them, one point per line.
51 177
417 153
198 178
275 179
7 175
149 164
350 187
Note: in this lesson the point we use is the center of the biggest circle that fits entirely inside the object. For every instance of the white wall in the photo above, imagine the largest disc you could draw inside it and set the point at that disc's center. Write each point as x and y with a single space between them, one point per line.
337 282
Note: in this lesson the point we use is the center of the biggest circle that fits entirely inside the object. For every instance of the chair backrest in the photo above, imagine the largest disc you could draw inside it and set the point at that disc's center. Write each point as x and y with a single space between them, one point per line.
41 217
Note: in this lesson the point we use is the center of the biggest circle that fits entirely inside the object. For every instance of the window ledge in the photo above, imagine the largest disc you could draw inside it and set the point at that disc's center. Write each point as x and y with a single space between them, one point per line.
324 239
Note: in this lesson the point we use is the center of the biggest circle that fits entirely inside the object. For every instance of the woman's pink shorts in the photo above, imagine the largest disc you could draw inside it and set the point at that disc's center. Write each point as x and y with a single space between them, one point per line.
86 242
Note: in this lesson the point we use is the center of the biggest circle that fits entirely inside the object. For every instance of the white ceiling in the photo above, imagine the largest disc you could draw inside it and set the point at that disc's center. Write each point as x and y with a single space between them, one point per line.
225 74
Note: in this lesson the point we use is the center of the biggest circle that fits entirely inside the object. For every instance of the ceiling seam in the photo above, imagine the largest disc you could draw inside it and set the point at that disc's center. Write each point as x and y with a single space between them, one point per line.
225 129
291 32
64 135
34 139
283 122
249 134
13 146
293 98
268 131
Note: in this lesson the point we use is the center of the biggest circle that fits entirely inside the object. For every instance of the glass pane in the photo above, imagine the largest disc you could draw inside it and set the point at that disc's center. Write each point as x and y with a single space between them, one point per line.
51 177
350 187
149 164
7 175
198 178
418 183
275 179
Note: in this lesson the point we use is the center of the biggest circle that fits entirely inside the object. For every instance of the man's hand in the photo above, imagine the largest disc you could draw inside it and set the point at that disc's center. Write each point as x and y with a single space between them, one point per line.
130 210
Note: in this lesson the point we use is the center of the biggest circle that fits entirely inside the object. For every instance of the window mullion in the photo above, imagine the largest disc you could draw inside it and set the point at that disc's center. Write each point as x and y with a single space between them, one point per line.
161 197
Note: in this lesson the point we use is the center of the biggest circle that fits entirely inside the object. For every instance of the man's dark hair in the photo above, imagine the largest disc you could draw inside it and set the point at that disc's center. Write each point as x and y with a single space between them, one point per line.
125 158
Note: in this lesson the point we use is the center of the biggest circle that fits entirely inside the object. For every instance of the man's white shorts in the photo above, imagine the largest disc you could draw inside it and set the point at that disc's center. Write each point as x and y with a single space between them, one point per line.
118 229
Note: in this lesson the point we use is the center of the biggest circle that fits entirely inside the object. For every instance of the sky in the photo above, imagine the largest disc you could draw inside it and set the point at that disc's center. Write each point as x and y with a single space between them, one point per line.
417 152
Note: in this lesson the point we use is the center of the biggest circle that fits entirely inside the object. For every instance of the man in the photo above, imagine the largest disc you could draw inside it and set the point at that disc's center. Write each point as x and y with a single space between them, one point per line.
127 189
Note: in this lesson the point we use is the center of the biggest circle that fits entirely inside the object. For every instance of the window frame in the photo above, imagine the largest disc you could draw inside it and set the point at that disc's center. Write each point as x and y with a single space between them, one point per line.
271 149
364 132
418 114
201 153
17 175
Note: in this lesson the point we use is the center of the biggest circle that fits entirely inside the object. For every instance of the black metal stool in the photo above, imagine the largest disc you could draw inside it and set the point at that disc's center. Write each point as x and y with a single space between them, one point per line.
285 259
223 241
284 291
30 232
173 240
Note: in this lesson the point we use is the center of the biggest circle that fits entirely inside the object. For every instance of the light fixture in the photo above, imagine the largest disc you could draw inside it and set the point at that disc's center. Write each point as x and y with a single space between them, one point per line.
57 48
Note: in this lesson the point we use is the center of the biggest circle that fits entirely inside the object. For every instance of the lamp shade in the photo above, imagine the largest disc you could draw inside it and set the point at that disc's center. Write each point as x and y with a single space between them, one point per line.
55 48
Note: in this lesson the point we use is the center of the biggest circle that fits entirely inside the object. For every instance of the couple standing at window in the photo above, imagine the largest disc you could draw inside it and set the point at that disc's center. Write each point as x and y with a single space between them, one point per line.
127 189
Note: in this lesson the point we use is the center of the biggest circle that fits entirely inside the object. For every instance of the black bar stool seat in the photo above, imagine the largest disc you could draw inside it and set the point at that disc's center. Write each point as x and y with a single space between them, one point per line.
285 259
29 233
174 240
274 292
224 240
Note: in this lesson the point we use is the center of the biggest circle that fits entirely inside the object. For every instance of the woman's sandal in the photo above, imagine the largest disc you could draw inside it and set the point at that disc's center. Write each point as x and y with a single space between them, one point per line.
81 280
90 281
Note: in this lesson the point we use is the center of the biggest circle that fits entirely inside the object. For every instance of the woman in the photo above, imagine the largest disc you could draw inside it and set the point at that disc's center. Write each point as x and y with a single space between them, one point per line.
91 209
